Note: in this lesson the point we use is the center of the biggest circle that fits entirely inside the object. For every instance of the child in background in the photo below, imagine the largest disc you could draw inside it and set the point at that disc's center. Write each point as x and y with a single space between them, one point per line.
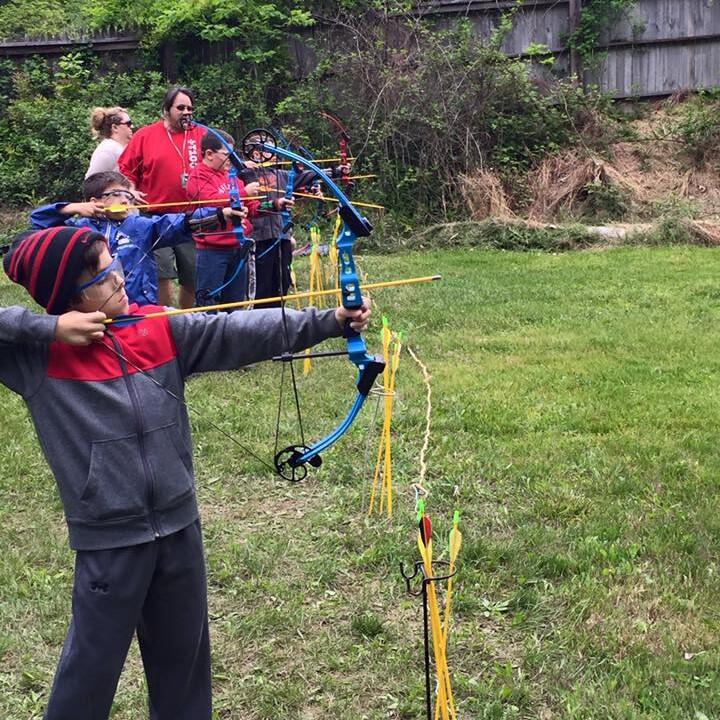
107 407
224 265
130 236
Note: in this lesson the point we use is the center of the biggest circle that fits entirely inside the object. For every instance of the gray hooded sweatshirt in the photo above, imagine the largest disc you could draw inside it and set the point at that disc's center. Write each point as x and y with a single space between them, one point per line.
119 445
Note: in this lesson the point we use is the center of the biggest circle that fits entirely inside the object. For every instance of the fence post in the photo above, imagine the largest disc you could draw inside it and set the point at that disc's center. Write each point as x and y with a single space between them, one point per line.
576 71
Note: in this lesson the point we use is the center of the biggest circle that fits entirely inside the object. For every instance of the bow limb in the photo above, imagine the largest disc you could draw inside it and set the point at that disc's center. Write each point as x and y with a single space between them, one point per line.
343 144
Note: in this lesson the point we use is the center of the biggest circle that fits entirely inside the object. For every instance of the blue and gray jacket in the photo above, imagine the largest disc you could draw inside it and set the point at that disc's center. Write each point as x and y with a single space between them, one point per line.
117 443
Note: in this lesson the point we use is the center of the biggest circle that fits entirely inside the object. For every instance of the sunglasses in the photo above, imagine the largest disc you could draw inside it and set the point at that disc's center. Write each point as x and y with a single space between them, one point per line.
115 267
183 108
125 122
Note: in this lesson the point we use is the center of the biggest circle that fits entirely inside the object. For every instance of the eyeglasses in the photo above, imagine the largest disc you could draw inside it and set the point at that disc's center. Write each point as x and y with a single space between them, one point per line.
113 271
124 194
125 122
183 108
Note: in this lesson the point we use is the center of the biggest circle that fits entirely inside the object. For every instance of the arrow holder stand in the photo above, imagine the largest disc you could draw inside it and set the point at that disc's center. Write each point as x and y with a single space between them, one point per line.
419 571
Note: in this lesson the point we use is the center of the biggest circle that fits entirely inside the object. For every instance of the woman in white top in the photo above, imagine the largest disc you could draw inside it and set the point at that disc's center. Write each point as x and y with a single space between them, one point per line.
114 126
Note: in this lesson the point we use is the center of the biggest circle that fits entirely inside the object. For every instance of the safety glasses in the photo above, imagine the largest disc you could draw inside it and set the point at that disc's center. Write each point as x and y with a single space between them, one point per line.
124 194
112 273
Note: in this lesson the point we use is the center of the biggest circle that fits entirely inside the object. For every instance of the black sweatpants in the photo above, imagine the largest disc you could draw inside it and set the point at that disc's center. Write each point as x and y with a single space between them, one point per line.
158 590
272 269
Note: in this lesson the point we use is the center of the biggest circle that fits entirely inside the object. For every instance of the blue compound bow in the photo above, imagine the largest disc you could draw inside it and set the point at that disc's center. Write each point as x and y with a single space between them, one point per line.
291 462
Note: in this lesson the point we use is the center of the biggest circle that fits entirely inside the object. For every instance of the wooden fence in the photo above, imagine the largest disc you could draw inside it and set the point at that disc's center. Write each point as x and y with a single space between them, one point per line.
109 42
660 47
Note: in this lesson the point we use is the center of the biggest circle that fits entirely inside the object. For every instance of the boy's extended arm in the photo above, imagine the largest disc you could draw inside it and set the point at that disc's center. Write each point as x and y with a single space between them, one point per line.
24 337
230 340
168 230
175 228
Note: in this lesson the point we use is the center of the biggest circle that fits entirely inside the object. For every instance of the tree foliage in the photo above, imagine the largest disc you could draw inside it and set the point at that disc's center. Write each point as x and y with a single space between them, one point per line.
424 105
39 18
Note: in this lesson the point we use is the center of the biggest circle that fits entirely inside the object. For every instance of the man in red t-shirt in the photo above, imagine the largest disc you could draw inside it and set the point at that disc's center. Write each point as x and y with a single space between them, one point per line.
158 161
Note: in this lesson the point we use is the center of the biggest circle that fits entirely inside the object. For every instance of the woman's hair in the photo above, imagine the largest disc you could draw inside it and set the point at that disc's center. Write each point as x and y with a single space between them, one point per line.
172 93
103 118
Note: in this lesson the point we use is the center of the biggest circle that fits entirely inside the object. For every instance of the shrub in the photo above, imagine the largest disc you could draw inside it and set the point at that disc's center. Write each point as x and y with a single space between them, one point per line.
434 106
45 138
606 201
697 126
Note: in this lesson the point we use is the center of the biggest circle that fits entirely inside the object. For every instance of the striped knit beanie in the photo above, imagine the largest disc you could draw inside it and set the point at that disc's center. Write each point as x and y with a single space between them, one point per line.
48 263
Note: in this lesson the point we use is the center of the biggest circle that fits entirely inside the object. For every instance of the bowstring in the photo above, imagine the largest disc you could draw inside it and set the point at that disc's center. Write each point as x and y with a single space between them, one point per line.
293 378
185 404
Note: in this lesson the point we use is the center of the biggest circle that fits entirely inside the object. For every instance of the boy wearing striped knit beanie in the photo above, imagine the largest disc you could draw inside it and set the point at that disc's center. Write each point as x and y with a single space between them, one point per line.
106 402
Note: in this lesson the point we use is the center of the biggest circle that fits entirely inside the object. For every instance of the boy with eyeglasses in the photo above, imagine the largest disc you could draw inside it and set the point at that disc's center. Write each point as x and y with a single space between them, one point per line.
225 271
108 409
132 237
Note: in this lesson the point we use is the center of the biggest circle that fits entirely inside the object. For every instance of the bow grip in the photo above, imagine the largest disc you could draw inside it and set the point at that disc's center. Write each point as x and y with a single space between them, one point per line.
368 374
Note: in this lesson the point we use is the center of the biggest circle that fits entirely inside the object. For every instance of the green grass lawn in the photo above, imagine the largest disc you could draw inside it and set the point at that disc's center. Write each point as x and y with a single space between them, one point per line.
575 405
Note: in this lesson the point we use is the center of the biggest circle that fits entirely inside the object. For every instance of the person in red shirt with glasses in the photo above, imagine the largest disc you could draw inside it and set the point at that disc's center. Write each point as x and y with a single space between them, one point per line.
158 160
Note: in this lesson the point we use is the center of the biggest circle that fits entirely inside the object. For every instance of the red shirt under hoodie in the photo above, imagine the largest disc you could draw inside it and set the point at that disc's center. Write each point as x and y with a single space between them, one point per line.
205 183
156 159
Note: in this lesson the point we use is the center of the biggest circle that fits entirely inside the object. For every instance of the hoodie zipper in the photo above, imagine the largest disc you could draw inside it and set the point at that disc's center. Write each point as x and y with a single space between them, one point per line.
150 482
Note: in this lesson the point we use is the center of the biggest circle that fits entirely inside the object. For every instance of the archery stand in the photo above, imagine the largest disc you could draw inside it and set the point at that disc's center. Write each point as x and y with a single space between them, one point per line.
420 570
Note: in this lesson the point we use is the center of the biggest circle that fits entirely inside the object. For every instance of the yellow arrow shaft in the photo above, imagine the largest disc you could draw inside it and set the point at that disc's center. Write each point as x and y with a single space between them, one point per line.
271 163
215 201
323 199
285 298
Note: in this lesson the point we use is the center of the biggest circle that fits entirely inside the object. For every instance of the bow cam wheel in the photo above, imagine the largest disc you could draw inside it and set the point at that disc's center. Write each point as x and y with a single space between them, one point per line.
251 146
286 463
